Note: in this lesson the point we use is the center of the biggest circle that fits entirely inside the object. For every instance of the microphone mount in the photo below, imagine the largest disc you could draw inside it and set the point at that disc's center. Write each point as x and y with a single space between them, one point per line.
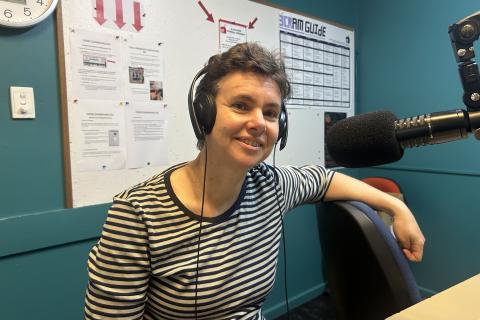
462 35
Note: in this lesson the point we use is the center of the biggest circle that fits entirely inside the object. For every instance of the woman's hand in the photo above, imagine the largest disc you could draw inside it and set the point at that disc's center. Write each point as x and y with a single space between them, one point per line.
408 233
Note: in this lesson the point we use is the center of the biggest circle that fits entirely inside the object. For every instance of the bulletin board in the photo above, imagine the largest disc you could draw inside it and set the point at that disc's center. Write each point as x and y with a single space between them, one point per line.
126 67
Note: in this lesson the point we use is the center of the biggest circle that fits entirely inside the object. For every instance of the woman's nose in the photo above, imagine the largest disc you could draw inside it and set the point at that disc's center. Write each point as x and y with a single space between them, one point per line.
256 122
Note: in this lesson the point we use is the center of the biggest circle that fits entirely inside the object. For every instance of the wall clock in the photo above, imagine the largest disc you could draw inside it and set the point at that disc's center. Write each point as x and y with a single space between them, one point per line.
25 13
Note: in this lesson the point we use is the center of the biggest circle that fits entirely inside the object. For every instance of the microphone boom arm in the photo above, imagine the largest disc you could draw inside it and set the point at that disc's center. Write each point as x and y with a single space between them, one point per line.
462 35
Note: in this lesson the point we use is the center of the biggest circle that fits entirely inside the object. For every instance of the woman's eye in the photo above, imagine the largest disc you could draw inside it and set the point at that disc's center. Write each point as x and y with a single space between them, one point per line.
240 106
271 114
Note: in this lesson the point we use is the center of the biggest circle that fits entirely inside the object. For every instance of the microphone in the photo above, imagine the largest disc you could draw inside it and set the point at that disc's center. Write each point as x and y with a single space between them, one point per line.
378 137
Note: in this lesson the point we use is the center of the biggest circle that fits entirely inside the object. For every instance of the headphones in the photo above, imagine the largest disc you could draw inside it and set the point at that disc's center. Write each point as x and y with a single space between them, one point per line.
201 107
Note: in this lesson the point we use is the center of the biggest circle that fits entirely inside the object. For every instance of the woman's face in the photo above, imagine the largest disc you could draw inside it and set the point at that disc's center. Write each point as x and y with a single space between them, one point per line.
246 126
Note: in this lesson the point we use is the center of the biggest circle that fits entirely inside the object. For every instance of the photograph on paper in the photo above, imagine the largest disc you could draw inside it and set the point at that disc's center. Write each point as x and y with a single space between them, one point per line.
156 90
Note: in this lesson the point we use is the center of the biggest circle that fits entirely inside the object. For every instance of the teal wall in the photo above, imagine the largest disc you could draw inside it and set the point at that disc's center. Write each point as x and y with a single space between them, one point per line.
43 246
406 65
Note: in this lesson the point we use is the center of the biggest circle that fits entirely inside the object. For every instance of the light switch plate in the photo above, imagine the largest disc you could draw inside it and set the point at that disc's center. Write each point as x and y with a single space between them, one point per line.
22 102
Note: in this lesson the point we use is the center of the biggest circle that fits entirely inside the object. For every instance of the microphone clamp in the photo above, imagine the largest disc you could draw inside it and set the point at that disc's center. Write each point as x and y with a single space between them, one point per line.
432 128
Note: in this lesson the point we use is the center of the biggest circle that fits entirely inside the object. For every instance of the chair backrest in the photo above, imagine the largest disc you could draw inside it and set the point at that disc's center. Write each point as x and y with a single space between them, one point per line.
384 184
367 273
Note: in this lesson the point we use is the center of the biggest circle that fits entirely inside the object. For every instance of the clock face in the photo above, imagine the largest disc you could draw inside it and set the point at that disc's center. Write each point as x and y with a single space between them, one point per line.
24 13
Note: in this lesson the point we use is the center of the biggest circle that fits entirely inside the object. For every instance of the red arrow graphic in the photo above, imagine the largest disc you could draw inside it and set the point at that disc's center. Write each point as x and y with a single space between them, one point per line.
119 14
100 12
251 23
136 14
209 15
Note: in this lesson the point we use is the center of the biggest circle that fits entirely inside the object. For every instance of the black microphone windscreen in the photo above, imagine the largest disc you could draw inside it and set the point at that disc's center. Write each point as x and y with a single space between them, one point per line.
364 140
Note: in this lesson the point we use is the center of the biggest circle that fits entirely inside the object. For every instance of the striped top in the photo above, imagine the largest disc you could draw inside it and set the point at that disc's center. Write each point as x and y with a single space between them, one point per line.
144 265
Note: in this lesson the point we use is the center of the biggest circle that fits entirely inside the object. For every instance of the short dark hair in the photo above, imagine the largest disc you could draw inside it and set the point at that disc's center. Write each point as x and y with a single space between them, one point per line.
246 57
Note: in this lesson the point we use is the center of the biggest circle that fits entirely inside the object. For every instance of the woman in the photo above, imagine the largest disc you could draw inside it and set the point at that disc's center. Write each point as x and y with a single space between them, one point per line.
200 240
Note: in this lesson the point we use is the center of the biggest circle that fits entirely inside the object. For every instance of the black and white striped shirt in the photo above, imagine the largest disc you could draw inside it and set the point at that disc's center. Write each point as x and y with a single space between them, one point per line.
144 265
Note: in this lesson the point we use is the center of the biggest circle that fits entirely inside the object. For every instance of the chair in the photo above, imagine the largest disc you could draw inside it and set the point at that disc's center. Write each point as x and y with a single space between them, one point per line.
384 184
367 273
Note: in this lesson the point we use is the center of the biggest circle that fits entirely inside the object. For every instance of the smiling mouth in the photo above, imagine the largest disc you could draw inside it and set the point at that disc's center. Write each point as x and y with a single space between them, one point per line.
249 142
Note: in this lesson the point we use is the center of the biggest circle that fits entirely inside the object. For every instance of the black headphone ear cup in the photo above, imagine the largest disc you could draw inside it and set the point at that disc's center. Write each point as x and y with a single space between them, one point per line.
209 113
205 111
195 107
283 127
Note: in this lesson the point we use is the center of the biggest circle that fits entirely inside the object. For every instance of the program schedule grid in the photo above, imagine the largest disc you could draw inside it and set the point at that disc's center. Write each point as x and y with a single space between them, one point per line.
319 71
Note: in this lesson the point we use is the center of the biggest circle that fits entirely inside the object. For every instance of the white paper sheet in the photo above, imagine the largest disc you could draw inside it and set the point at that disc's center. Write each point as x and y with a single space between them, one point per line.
99 135
146 135
96 66
230 34
145 70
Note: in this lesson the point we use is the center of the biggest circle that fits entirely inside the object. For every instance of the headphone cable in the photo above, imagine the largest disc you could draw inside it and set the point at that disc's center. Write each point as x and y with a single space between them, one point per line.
283 236
200 228
200 233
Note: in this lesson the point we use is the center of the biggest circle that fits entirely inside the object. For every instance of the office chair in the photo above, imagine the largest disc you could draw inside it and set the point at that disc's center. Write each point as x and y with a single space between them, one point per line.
384 184
367 273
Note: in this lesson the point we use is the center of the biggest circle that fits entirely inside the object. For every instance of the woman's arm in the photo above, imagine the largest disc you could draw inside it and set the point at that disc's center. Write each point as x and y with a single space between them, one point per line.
119 266
405 227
